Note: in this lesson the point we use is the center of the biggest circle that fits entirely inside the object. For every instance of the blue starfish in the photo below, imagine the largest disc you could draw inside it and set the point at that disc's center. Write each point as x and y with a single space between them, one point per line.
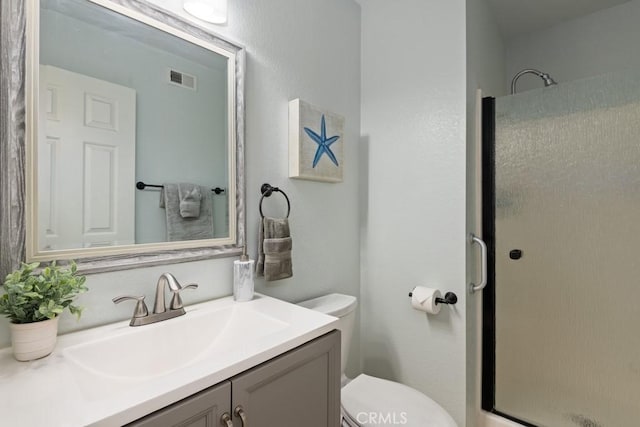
323 142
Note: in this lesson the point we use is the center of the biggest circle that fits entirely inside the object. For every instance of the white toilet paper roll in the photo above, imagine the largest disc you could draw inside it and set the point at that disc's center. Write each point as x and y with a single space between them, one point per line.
424 299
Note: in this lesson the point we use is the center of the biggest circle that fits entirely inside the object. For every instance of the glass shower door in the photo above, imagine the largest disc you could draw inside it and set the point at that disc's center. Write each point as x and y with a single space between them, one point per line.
566 245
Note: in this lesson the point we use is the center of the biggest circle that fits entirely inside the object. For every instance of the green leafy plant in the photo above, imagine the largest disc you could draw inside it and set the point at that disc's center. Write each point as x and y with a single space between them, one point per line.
34 296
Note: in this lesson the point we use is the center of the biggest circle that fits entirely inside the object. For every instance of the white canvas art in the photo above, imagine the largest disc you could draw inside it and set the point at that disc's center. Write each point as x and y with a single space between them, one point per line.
315 143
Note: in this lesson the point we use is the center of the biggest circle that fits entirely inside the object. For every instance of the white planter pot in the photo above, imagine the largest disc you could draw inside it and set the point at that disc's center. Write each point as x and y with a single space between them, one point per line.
32 341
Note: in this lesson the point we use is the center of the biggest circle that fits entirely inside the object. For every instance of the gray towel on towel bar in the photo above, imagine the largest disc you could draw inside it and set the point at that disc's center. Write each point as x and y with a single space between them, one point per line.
190 196
274 249
180 228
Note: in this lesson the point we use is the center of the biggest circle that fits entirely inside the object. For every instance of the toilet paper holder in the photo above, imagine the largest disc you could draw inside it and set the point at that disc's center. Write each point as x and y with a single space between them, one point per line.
449 298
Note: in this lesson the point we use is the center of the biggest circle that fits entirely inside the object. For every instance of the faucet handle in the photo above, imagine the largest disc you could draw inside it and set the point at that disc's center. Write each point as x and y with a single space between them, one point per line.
141 308
176 300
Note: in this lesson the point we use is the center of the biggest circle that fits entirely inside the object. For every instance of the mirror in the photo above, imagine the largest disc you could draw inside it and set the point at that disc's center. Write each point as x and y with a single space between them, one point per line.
124 98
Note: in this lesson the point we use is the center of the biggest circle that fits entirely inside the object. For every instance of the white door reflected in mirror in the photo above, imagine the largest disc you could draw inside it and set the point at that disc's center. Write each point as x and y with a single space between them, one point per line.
86 161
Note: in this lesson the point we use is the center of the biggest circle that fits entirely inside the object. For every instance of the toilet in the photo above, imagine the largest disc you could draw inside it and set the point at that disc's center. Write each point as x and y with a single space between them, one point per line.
369 401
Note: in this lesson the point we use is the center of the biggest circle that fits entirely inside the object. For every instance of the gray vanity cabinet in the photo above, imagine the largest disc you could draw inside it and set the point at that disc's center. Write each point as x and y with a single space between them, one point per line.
298 388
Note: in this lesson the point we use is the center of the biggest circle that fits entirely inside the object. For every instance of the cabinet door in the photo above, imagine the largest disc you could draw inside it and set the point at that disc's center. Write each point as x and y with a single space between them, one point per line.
204 409
299 388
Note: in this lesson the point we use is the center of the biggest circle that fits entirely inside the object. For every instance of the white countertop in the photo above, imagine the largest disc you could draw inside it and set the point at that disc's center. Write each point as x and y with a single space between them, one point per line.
56 391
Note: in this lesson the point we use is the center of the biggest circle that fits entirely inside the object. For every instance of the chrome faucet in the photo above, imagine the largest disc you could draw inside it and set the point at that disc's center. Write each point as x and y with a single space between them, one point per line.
141 314
167 279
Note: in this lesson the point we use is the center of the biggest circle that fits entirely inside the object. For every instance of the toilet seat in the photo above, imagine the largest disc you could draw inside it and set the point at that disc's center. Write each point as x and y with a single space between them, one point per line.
347 421
373 402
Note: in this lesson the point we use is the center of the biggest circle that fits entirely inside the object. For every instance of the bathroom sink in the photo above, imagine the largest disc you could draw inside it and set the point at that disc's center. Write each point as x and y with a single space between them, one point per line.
114 374
157 349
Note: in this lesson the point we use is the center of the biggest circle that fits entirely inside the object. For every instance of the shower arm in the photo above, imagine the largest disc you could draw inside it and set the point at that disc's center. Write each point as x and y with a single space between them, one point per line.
548 81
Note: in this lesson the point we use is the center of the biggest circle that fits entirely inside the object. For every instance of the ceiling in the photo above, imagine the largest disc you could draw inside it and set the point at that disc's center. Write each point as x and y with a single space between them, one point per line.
515 17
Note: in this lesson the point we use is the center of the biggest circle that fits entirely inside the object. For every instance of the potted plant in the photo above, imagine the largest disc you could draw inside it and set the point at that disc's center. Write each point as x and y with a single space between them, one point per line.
33 301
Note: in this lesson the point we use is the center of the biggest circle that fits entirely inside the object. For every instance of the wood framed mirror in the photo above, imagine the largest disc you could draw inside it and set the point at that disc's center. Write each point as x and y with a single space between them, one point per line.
107 101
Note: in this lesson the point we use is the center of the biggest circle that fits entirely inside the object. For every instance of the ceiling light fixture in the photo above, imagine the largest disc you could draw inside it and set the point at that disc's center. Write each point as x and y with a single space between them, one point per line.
214 11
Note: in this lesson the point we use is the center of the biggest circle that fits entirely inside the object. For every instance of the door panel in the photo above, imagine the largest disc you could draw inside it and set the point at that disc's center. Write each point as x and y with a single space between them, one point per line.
567 180
204 409
86 155
299 388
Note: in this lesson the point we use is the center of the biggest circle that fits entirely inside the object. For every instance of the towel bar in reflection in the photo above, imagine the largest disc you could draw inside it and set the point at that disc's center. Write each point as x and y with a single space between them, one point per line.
141 186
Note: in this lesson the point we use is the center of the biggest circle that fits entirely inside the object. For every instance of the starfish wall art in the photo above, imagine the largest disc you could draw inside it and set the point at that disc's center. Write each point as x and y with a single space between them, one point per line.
315 143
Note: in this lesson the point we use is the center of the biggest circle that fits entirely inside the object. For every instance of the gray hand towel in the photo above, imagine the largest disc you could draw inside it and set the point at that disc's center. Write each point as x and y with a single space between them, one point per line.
274 249
190 197
179 228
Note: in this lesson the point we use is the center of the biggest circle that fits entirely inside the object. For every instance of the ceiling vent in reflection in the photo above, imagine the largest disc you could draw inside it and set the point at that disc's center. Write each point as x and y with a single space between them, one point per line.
181 79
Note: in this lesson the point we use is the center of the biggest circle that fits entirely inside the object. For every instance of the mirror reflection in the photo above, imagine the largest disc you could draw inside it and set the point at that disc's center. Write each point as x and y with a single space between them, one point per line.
122 102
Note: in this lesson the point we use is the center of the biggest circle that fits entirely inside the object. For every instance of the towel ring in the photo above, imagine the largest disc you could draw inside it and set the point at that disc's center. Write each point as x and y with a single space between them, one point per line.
267 190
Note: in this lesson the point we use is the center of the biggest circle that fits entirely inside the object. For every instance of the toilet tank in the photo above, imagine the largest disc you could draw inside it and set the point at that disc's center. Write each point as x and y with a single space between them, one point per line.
344 308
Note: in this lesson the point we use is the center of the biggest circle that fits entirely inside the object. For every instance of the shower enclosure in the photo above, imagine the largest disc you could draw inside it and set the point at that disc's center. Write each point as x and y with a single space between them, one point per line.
561 217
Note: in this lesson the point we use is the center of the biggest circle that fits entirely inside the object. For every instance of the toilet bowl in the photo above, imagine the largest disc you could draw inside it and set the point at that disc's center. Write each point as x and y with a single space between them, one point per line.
369 401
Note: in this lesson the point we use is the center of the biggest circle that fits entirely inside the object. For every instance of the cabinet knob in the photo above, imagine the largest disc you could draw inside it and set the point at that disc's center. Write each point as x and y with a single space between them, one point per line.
239 412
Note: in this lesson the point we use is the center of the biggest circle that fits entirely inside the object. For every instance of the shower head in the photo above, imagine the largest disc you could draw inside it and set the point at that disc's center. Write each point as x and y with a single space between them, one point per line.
548 81
546 78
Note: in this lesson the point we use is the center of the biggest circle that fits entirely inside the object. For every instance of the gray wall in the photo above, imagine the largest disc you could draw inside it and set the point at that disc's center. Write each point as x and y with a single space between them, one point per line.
602 42
173 141
290 54
413 193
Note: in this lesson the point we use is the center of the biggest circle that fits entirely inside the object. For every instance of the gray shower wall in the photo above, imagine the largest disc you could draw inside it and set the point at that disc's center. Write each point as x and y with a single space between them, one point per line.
602 42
